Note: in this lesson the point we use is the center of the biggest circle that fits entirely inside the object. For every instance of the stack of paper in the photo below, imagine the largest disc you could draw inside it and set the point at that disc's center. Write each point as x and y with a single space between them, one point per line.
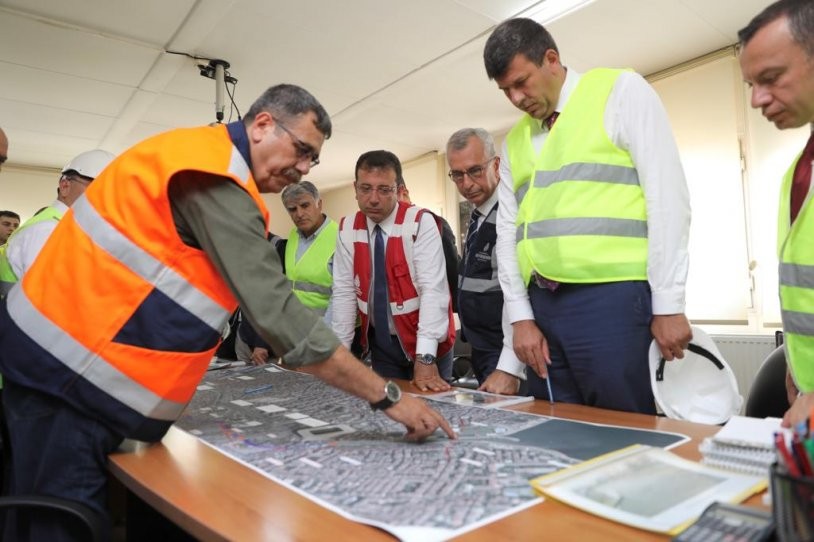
743 445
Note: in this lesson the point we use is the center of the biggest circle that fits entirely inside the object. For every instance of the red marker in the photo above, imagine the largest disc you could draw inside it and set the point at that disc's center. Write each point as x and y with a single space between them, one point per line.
784 456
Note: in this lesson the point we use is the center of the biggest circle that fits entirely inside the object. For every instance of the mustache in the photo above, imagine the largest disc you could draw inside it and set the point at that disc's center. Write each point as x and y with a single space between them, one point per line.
292 175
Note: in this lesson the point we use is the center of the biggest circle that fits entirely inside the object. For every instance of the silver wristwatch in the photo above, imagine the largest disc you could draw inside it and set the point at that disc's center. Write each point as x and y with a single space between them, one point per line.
425 359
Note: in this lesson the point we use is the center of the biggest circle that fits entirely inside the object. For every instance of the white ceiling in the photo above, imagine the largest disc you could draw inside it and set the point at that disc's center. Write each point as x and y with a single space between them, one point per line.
395 74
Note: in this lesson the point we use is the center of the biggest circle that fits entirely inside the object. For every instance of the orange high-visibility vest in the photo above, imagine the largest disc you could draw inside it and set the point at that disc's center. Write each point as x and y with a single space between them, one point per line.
118 316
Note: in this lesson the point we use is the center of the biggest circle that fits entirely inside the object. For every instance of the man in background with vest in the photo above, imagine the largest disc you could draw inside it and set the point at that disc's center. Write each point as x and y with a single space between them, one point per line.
109 332
27 241
9 221
592 226
309 249
473 167
389 268
777 61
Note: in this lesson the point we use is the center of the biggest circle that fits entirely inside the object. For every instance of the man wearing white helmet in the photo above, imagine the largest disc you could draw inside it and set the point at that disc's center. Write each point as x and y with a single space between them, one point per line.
17 255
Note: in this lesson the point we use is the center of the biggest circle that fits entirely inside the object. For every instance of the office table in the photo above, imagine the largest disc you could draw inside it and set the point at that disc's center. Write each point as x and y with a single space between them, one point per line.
213 497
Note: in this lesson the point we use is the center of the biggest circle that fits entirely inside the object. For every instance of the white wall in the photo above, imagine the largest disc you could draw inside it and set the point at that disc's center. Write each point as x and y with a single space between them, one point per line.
25 190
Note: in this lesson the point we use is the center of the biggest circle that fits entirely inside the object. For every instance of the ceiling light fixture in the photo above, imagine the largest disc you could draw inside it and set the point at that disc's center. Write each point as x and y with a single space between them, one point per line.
549 11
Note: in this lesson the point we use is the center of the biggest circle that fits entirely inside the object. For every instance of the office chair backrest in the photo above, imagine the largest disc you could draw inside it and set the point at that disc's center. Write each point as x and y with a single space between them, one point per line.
767 396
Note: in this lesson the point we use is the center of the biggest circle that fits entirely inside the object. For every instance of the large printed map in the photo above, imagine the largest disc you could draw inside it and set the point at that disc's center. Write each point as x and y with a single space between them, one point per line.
334 449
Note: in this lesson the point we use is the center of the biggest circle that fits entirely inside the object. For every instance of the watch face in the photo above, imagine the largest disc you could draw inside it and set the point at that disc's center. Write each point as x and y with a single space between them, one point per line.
392 391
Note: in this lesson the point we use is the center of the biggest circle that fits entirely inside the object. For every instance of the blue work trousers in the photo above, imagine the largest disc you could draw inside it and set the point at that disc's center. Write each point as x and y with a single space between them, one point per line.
57 451
598 337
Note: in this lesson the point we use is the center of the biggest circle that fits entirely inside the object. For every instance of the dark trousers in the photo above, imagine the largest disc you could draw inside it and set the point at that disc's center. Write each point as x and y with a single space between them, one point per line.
56 451
598 336
389 361
484 362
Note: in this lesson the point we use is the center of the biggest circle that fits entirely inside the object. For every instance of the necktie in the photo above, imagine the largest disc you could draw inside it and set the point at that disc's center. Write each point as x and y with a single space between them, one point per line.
549 122
802 178
380 301
473 228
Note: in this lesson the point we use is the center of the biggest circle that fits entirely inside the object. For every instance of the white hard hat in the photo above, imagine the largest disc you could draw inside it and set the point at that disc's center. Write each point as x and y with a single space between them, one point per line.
701 387
89 164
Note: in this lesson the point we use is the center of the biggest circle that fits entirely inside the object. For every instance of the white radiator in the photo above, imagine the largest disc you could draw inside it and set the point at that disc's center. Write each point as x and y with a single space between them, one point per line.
744 353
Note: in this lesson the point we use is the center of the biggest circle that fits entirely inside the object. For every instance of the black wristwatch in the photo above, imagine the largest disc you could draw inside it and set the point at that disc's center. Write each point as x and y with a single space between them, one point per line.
425 359
392 395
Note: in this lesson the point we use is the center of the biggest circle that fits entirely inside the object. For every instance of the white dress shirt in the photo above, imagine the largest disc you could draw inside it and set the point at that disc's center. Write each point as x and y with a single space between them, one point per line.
431 284
635 120
24 247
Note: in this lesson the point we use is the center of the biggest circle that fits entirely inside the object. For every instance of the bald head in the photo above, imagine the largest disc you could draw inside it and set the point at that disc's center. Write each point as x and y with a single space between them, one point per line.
3 147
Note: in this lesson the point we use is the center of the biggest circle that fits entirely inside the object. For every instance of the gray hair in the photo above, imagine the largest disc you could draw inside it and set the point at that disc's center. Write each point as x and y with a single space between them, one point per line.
294 191
460 139
288 101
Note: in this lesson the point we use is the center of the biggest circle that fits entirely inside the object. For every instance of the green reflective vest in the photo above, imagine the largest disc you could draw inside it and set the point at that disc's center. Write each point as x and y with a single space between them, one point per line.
7 276
310 278
795 252
581 214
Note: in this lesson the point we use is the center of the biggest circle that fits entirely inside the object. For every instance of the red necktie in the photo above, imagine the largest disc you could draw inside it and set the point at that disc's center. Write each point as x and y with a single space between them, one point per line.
802 178
549 122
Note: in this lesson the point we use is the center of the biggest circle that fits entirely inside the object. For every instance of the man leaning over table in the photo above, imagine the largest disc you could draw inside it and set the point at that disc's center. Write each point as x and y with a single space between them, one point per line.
112 328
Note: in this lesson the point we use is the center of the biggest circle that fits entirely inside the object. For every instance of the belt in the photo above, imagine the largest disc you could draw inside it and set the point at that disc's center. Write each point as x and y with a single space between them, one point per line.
543 282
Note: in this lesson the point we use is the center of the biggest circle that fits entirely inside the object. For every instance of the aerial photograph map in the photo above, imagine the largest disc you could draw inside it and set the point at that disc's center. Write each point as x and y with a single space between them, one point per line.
333 449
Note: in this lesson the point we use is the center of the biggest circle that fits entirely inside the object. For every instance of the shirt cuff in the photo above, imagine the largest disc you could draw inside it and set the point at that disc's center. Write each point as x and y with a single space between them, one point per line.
519 309
670 301
426 346
508 363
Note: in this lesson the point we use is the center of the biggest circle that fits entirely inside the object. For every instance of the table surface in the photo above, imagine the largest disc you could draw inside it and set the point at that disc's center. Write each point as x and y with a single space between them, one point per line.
214 497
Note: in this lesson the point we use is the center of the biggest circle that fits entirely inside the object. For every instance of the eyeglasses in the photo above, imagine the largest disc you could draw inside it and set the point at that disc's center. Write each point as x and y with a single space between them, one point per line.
303 149
382 190
475 172
76 178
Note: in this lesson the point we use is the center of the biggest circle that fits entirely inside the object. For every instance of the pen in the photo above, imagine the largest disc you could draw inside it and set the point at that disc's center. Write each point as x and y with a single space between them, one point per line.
784 456
257 390
548 385
801 455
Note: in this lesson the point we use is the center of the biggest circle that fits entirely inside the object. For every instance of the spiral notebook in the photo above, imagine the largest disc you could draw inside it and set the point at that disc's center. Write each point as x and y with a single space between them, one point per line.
743 445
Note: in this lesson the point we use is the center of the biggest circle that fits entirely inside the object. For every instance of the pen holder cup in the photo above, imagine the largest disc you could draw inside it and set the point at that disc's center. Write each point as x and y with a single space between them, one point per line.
792 505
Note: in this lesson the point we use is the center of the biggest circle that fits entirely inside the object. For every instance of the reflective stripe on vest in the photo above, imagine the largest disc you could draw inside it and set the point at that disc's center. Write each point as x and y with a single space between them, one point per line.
309 276
583 218
796 274
134 311
480 284
8 277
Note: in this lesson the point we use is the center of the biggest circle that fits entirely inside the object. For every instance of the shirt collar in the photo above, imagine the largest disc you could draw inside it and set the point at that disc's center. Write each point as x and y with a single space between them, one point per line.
486 207
317 231
572 78
386 225
237 133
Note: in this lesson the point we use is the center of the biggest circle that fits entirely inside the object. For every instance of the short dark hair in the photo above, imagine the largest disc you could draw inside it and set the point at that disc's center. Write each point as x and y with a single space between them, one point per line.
800 14
380 159
11 214
288 101
516 37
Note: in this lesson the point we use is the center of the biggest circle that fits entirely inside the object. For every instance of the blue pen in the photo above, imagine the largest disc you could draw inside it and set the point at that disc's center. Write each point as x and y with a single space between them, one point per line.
257 390
548 385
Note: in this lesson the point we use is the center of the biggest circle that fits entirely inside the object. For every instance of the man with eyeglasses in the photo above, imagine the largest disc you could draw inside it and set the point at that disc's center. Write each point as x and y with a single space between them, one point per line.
592 226
17 255
114 324
473 167
389 269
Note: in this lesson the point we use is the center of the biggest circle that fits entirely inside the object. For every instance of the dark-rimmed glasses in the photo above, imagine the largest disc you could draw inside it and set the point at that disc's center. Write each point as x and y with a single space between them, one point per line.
475 172
303 149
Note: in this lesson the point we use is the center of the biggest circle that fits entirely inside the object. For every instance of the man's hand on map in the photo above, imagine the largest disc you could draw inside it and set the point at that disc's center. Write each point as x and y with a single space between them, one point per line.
260 356
531 346
501 382
420 420
427 378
